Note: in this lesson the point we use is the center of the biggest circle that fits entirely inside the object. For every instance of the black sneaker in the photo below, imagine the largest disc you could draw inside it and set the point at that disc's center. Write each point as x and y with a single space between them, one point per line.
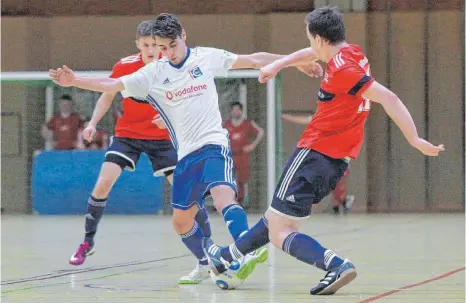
335 279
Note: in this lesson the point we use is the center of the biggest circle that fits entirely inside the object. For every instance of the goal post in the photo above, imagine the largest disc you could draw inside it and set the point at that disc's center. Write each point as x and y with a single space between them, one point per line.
262 103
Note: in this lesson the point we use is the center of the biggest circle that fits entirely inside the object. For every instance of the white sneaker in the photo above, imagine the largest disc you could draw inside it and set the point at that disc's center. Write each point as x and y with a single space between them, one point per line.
199 274
348 203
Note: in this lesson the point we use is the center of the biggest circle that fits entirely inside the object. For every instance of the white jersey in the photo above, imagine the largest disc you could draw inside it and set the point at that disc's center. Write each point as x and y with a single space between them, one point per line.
185 96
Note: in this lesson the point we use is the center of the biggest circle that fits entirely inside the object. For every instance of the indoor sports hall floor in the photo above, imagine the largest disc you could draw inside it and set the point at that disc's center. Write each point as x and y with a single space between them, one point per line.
399 258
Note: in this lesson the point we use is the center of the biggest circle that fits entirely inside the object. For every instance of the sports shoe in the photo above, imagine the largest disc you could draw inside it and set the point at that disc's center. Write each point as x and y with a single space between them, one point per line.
80 255
348 203
199 274
217 264
250 261
335 279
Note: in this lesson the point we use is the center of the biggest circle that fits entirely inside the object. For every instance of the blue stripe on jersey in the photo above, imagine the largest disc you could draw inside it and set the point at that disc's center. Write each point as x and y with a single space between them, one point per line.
170 129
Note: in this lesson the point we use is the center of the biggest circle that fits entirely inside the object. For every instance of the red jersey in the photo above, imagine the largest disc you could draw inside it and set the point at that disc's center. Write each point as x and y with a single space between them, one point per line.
136 121
337 128
240 136
65 131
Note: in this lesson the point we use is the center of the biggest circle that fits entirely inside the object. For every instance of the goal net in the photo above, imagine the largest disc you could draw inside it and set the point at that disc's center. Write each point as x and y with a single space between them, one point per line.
21 125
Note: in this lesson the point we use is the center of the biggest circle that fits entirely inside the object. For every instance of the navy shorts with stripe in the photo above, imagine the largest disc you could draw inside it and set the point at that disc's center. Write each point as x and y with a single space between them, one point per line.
161 153
307 178
198 172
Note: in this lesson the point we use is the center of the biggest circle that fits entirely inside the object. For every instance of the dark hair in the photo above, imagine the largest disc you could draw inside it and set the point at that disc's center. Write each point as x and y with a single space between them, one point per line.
326 22
66 97
167 26
144 29
233 104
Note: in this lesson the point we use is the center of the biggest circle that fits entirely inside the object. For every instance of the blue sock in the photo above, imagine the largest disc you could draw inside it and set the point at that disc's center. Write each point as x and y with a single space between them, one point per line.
202 218
308 250
236 220
193 240
255 238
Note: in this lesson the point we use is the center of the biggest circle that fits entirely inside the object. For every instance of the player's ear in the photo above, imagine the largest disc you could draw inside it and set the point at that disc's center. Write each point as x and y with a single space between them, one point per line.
183 35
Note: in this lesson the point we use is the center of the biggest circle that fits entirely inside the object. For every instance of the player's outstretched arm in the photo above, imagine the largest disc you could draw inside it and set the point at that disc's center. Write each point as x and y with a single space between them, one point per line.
401 116
255 61
65 77
101 108
301 58
304 120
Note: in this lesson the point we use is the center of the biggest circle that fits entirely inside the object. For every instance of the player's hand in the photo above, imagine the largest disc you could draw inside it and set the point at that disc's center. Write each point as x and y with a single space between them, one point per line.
89 133
62 76
428 148
157 120
268 72
312 69
248 148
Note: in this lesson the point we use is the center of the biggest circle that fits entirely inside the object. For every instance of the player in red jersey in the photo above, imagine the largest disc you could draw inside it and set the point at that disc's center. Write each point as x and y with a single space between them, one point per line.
340 196
331 140
134 134
241 132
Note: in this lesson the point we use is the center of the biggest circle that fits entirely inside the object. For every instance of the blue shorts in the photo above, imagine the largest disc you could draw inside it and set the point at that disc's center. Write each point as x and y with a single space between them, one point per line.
161 153
198 172
307 178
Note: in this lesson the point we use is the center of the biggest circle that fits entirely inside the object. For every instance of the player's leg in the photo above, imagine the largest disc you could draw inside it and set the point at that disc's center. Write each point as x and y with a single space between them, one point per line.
348 199
339 196
120 155
188 210
164 159
241 193
220 183
308 177
309 180
224 198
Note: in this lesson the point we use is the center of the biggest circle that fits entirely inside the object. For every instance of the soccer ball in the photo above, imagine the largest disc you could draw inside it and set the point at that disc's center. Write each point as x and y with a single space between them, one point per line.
228 279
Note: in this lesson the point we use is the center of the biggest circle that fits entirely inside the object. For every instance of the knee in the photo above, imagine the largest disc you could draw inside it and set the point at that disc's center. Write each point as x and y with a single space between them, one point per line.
181 224
278 232
223 196
275 235
220 205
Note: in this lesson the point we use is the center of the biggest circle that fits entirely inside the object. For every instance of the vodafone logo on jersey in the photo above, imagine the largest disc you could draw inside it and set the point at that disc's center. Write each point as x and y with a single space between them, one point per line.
187 92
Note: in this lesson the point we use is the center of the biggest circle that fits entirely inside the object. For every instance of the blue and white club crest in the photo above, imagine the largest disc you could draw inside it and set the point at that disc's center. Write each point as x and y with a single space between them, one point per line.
195 72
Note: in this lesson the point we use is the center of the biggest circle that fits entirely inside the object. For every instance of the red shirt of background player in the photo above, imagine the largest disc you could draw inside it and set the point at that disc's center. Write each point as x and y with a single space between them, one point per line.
337 128
136 120
240 136
65 131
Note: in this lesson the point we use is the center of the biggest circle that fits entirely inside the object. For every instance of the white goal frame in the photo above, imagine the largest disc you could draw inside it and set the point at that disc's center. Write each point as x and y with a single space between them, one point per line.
235 74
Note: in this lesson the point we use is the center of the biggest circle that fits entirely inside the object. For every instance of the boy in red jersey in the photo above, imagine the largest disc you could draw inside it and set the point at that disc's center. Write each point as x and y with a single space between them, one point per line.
340 196
331 140
135 133
241 131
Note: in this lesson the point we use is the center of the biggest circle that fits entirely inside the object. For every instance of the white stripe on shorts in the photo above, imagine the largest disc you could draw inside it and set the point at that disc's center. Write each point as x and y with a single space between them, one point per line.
228 170
291 171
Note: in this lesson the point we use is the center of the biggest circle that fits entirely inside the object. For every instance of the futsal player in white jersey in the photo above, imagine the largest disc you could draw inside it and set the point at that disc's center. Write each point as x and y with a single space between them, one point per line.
181 87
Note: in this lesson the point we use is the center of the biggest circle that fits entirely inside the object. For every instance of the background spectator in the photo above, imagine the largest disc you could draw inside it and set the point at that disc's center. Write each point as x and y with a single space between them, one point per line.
63 127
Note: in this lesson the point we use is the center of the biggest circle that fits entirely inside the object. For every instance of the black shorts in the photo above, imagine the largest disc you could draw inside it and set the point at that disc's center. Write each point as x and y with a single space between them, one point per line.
161 153
307 178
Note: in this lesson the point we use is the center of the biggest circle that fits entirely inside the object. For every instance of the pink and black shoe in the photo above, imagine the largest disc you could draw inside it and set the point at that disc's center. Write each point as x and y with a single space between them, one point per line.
80 255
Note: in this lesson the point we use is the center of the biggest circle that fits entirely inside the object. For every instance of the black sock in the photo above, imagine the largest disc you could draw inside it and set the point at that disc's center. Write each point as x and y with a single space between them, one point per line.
95 210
